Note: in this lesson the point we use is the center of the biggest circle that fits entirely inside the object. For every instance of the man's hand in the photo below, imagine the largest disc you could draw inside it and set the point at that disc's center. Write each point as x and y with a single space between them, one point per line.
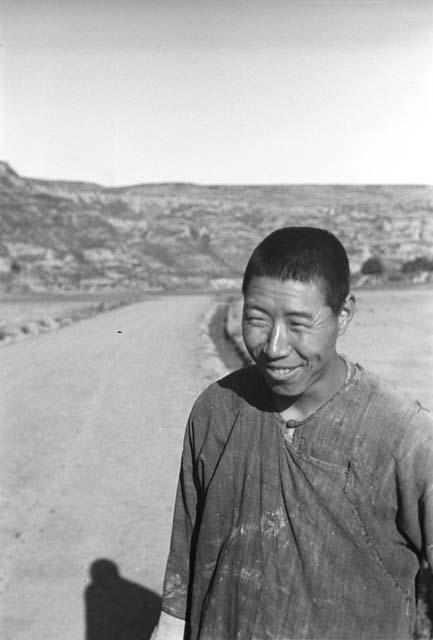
168 628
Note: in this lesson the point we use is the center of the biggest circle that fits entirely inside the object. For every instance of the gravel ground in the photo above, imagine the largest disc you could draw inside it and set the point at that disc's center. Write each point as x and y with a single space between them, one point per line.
92 421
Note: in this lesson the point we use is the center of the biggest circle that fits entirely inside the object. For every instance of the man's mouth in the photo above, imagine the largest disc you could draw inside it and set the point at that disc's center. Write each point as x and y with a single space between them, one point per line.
281 373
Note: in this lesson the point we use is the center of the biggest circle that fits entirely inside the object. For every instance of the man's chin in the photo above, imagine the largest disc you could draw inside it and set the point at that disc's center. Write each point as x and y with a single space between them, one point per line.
286 389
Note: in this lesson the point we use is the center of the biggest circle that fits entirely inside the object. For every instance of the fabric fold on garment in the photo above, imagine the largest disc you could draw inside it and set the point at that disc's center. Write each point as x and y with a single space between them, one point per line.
318 537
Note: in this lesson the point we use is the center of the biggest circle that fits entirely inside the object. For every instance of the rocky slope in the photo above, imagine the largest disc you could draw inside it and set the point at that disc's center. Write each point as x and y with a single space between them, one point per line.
63 236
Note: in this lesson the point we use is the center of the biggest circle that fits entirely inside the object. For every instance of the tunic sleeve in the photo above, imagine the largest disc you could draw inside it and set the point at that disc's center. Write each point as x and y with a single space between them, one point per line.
187 505
415 484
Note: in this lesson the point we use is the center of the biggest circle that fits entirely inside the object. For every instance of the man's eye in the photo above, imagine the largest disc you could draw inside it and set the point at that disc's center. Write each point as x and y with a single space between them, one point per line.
256 321
297 325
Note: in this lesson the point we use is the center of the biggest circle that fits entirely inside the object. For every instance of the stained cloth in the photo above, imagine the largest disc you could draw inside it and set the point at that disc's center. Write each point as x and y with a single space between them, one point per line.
319 537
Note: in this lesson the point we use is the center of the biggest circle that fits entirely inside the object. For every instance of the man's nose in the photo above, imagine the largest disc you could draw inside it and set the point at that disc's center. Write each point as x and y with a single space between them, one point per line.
278 343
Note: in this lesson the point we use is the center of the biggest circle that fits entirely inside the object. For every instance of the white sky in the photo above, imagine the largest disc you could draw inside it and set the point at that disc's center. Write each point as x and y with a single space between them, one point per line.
231 91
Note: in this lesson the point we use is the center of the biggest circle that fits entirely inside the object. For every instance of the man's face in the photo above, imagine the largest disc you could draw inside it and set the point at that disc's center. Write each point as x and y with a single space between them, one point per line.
290 333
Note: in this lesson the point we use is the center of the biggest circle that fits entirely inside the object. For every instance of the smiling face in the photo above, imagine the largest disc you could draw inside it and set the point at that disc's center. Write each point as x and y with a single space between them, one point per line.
290 332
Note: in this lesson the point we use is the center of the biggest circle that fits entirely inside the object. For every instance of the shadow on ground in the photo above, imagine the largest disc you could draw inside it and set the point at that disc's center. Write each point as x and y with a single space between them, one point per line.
118 609
424 622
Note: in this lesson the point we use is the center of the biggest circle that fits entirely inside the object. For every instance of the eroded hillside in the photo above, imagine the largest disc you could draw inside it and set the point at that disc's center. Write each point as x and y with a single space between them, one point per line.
60 236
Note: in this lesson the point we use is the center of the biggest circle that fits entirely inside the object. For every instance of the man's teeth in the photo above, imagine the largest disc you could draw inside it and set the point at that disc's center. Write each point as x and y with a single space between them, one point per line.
285 370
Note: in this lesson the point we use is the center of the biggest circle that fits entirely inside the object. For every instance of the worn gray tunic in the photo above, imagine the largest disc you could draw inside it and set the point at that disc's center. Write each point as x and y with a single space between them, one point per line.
317 537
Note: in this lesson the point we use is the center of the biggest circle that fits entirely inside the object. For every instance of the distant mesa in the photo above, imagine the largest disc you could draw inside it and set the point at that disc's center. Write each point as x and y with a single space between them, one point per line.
65 236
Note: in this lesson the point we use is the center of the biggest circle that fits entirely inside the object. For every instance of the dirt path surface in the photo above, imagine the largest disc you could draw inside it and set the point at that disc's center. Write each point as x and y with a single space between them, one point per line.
391 335
92 420
91 425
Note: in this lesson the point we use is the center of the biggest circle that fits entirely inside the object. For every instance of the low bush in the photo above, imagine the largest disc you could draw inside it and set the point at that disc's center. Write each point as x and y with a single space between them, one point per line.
417 264
372 266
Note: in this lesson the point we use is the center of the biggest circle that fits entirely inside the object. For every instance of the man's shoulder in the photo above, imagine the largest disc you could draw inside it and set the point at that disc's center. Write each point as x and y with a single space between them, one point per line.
232 391
217 408
381 390
381 400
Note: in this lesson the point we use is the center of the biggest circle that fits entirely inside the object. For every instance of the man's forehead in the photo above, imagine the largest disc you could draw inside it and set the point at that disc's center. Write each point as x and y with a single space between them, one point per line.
310 291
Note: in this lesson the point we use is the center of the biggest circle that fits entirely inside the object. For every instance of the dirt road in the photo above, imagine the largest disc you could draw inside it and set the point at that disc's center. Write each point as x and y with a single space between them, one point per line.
92 419
391 335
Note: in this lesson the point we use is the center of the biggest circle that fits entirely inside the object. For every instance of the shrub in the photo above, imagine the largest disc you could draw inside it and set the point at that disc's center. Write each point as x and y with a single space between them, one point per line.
372 266
417 264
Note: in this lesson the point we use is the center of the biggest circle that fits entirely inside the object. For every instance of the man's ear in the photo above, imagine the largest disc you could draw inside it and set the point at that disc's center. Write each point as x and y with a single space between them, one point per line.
346 313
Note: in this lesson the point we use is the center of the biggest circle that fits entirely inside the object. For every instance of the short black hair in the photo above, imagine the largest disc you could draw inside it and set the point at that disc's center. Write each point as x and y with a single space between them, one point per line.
305 254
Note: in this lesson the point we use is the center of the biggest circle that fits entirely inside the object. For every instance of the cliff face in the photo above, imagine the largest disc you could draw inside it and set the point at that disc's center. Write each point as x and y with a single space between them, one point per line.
58 235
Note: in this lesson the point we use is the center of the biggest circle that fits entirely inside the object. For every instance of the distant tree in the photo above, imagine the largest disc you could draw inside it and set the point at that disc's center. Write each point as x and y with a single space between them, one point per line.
194 232
417 264
372 267
204 238
15 268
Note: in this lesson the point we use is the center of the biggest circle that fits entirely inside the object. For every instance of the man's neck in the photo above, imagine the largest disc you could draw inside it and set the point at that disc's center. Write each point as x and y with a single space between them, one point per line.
299 408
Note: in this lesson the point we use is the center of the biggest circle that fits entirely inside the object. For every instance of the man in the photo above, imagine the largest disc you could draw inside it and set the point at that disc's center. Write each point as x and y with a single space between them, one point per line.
305 498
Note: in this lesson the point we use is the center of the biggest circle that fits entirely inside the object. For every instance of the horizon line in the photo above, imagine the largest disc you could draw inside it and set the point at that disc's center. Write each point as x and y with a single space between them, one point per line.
217 184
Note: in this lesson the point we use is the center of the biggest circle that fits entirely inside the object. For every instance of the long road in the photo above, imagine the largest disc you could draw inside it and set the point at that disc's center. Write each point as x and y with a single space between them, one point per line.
92 421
